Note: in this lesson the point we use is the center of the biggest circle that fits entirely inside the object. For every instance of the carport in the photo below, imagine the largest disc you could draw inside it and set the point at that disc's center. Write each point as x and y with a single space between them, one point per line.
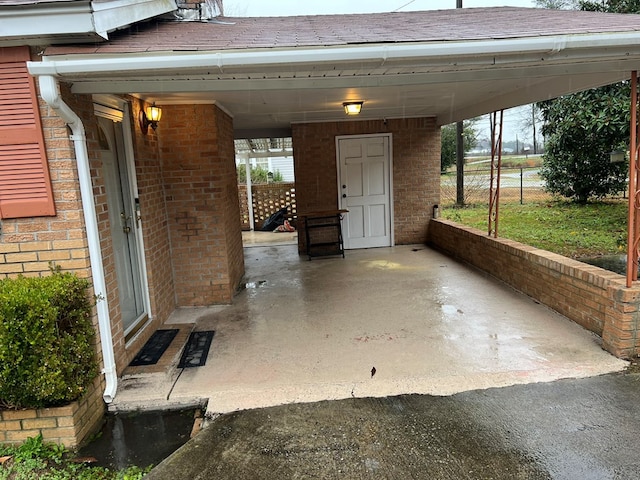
224 78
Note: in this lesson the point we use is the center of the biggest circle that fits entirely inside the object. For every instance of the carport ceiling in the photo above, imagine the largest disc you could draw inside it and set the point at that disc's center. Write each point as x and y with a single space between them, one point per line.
269 73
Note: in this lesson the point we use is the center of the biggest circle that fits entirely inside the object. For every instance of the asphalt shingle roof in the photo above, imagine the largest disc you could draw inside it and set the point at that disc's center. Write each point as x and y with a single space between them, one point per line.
225 33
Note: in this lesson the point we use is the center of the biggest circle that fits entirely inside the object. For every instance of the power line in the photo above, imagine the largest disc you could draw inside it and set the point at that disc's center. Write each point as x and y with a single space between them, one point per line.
405 5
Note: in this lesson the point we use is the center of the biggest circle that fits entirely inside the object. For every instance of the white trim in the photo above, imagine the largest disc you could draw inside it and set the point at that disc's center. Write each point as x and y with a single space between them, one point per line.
107 112
477 52
24 24
389 135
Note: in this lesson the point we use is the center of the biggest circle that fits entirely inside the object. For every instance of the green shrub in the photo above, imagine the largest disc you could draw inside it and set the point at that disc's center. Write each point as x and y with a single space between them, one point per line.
47 353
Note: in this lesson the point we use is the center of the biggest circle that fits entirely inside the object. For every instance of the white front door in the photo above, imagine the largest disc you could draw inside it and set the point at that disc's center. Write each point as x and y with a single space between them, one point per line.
365 190
123 225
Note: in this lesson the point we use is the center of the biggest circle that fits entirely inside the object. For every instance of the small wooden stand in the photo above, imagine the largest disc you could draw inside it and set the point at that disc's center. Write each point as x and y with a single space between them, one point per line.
323 232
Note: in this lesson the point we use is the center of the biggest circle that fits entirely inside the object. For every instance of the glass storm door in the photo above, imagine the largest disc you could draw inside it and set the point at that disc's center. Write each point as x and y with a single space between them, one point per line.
123 225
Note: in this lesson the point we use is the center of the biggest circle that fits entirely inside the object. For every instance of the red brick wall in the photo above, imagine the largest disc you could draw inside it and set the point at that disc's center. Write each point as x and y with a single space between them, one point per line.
416 169
29 245
590 296
201 194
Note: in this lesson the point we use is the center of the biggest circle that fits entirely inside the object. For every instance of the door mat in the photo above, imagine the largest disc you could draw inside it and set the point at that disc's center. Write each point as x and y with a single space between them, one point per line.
196 350
154 348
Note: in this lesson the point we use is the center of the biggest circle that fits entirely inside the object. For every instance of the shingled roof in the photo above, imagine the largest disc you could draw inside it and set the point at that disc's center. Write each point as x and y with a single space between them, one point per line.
225 33
270 72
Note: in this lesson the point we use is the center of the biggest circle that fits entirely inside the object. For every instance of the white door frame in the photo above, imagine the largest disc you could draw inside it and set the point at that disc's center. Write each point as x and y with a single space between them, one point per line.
339 172
118 110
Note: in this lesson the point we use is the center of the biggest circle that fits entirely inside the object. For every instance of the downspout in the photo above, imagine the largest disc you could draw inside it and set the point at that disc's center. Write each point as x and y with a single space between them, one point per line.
51 94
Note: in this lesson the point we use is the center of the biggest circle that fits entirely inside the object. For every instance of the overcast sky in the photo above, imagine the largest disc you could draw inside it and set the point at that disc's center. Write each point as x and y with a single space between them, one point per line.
260 8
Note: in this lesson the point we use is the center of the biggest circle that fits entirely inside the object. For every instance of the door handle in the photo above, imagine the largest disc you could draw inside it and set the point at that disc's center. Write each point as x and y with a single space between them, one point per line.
125 222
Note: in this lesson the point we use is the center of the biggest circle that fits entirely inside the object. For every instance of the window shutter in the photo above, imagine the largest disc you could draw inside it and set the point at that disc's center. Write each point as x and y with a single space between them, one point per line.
25 186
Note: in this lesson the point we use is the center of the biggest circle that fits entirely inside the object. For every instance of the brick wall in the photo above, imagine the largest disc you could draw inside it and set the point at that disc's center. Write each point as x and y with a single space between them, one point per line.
416 169
29 245
201 195
590 296
70 425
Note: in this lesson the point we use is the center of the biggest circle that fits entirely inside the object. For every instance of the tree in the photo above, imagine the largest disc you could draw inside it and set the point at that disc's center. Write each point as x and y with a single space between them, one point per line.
557 4
448 142
581 130
530 118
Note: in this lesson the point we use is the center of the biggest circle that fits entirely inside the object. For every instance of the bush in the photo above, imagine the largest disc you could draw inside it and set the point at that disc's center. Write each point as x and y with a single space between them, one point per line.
258 175
47 352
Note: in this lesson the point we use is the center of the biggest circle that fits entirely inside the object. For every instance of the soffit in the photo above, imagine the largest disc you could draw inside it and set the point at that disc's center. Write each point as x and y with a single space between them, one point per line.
271 72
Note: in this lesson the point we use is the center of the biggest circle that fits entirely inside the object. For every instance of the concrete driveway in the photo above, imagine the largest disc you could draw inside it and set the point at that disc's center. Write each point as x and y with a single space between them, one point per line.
381 322
570 429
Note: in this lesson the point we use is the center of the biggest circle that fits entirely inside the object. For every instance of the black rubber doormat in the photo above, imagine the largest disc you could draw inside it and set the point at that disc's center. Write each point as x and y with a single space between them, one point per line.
154 348
196 350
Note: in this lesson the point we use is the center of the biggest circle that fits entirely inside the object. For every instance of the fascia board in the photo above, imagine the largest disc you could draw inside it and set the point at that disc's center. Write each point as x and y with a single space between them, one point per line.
46 21
110 16
521 51
77 18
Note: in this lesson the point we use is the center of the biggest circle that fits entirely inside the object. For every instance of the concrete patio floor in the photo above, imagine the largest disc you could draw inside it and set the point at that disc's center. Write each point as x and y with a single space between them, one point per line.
380 322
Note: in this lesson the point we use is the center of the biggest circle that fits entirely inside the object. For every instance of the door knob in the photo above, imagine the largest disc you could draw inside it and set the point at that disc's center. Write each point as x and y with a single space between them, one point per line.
344 195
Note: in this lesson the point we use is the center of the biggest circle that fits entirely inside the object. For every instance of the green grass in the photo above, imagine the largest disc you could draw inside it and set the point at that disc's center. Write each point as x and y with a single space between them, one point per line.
562 227
35 459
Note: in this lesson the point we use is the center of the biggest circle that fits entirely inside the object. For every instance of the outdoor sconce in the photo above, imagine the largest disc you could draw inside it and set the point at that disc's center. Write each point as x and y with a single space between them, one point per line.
150 116
617 156
352 108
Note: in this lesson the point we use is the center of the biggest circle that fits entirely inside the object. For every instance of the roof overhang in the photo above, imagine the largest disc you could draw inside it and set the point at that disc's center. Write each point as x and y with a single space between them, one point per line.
45 23
268 89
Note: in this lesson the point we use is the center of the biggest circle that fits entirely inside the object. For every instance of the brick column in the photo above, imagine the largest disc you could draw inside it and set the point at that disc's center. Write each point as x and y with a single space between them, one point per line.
201 193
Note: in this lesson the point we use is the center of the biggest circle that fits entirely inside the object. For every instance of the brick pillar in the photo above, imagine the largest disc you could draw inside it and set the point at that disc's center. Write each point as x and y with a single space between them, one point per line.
622 318
198 160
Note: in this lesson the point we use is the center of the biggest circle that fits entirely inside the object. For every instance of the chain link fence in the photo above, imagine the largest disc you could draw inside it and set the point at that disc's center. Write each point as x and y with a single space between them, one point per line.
517 185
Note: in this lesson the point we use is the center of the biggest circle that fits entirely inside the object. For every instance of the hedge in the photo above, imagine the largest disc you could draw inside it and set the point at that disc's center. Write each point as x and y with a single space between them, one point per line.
47 340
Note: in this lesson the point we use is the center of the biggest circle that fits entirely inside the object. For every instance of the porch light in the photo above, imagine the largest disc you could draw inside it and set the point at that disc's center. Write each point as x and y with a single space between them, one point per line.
352 108
150 116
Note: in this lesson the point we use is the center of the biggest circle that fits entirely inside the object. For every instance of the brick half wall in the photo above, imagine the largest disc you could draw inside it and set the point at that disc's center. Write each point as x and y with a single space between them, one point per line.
593 297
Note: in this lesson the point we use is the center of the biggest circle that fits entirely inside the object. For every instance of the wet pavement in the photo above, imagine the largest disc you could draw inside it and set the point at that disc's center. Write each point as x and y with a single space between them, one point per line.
305 331
567 429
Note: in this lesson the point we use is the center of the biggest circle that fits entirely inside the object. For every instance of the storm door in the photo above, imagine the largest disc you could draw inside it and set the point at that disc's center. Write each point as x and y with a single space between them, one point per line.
123 225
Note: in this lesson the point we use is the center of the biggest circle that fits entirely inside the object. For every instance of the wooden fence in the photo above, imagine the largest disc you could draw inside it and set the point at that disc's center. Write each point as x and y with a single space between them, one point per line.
268 198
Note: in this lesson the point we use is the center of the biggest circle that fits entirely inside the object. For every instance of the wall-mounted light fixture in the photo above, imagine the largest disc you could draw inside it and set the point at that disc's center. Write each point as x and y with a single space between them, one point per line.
352 108
150 116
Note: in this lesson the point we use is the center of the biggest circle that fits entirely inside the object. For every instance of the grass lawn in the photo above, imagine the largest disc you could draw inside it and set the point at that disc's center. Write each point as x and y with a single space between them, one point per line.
575 231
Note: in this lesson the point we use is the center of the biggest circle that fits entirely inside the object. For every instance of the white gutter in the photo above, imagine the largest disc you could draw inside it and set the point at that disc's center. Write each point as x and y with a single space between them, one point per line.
567 45
50 94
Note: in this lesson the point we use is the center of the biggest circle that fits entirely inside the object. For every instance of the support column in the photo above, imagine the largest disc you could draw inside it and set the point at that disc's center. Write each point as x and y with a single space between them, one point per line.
633 236
496 166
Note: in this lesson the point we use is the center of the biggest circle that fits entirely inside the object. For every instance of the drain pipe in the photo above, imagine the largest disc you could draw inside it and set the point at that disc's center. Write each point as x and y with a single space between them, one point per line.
50 93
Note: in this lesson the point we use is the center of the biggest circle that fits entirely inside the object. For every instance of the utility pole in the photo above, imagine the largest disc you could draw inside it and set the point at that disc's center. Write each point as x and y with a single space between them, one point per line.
459 153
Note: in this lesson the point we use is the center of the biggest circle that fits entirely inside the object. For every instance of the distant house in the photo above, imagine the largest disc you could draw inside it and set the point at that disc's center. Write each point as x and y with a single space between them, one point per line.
148 210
